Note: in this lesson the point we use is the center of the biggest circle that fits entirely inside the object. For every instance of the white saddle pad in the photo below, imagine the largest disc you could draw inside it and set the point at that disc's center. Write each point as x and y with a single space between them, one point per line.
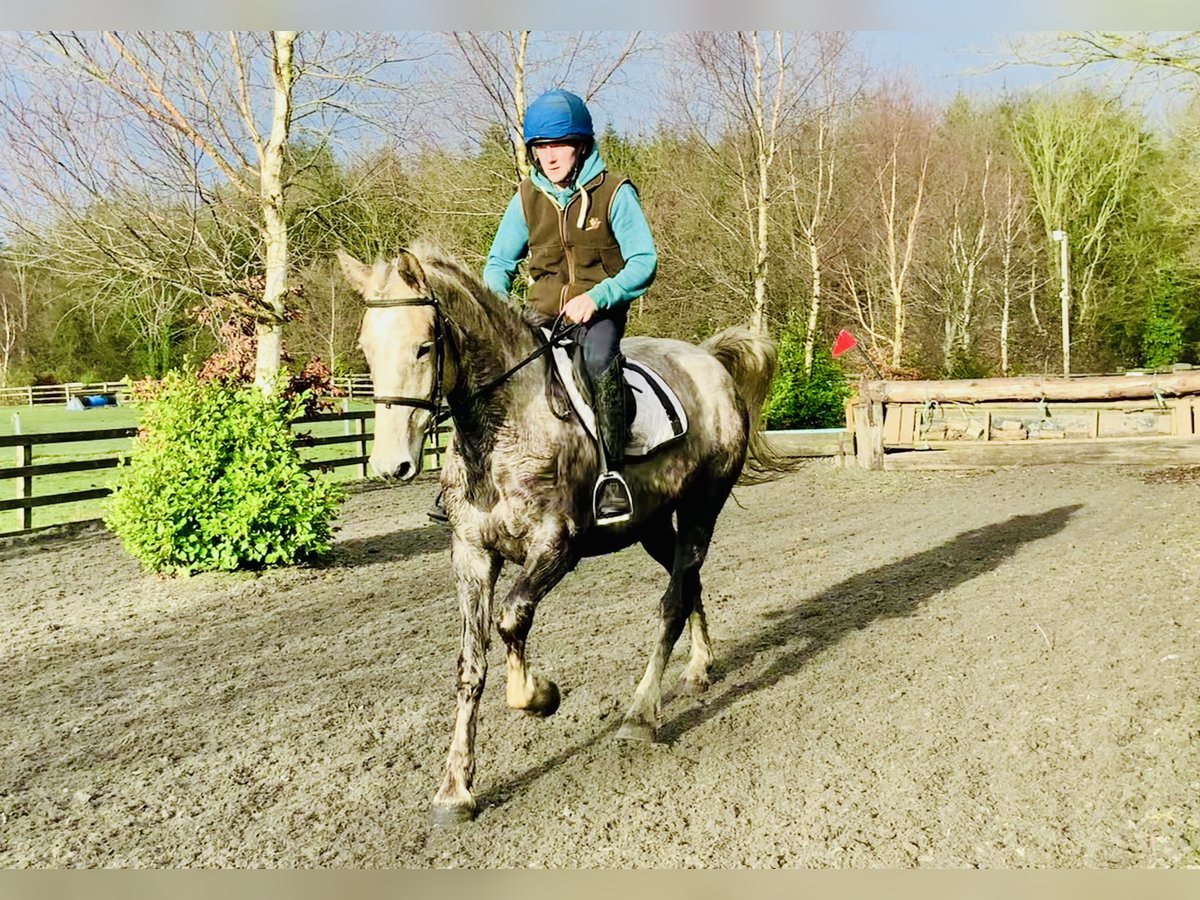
657 418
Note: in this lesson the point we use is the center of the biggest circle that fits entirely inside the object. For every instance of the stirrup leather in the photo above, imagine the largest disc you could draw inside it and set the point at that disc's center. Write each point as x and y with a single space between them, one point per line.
606 478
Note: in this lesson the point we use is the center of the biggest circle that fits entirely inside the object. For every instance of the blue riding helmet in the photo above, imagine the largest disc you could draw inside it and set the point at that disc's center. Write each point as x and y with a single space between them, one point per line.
555 116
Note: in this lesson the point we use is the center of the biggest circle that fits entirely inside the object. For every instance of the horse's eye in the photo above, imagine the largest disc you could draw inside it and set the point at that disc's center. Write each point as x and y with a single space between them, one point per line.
424 349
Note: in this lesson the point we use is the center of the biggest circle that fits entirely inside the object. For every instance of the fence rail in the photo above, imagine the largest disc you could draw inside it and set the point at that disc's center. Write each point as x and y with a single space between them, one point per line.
25 471
351 386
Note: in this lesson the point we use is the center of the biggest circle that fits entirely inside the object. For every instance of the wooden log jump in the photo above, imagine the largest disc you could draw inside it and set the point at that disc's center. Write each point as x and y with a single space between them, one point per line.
972 423
1099 387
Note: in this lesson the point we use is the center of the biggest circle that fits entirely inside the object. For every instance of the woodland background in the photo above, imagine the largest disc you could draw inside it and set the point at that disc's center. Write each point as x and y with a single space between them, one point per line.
148 180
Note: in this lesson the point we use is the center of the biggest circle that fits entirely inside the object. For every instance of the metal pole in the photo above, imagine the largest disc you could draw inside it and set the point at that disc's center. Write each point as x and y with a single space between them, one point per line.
869 363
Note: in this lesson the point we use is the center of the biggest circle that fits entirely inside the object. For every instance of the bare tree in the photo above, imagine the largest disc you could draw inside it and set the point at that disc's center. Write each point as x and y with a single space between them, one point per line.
968 242
746 94
1080 153
900 206
810 175
889 169
1170 54
1010 228
164 157
496 68
16 288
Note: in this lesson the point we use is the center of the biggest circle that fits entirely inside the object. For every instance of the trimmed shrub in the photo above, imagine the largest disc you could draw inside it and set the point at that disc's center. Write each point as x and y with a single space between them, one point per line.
214 482
818 401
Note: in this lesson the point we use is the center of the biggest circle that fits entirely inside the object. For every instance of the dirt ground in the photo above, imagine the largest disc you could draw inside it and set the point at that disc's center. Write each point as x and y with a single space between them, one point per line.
992 669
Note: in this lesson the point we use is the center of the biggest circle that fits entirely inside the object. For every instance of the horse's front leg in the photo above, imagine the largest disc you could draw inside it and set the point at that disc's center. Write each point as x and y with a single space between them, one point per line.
545 565
475 570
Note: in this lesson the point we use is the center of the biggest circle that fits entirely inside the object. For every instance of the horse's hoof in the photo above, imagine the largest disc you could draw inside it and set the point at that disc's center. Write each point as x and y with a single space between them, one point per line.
545 699
693 686
636 731
451 816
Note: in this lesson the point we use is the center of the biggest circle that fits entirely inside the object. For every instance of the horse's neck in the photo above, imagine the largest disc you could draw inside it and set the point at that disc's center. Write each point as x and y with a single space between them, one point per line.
491 341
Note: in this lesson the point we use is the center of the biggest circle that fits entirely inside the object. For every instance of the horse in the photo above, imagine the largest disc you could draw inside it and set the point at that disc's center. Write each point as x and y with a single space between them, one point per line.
518 477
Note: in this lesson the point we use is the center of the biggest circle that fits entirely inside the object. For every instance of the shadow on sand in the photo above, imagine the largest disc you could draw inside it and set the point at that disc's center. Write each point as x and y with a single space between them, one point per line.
793 637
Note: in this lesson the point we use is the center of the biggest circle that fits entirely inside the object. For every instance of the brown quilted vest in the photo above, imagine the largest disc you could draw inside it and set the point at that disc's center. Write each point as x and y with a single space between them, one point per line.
564 259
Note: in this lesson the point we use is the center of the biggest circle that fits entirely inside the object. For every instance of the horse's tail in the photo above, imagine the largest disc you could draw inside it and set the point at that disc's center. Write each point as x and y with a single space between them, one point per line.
750 358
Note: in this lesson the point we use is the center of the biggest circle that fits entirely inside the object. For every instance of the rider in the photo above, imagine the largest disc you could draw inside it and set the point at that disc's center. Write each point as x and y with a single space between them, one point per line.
590 254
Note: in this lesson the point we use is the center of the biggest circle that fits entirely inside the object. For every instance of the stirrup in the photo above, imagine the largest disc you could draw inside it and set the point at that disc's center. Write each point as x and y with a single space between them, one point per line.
437 512
605 479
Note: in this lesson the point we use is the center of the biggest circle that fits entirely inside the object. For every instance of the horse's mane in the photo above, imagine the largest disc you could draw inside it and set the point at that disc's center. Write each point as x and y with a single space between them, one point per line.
470 303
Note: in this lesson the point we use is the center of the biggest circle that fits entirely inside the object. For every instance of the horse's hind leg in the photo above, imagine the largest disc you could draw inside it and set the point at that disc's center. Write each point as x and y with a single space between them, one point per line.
660 544
677 604
544 568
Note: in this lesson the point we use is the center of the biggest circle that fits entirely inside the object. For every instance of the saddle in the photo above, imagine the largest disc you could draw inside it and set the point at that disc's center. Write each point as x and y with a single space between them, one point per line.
656 417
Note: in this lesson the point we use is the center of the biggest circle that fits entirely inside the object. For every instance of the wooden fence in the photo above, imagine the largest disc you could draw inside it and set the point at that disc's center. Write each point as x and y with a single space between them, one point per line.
1148 419
61 394
26 469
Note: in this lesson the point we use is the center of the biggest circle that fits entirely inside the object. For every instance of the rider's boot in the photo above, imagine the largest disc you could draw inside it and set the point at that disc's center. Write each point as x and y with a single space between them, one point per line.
611 498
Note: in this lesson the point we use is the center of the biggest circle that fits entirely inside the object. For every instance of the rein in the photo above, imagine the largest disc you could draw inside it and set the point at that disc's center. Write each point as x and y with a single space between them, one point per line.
441 342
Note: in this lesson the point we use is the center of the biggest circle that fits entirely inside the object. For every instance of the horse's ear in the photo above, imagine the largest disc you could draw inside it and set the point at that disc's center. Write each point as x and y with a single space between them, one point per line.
358 274
408 268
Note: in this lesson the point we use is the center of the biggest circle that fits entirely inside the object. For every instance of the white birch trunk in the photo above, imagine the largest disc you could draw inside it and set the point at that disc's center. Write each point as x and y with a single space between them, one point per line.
814 306
518 51
274 225
812 226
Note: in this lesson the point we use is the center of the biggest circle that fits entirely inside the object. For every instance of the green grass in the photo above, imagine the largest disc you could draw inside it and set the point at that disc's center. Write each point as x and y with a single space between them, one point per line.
43 419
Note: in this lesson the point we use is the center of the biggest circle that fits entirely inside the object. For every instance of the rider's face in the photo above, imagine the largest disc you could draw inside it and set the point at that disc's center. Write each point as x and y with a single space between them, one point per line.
557 159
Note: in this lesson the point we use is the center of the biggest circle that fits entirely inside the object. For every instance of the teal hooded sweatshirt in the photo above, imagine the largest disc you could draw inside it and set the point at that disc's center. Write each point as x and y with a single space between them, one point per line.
629 227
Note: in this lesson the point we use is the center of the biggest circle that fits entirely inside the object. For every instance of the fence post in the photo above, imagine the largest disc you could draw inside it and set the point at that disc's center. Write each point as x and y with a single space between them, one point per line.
868 432
362 446
25 482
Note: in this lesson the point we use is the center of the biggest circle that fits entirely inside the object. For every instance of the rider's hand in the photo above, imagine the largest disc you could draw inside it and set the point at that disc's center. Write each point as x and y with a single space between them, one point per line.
580 309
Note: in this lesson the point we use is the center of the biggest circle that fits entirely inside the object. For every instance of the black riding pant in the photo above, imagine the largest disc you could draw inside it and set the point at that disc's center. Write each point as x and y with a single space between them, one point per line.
600 340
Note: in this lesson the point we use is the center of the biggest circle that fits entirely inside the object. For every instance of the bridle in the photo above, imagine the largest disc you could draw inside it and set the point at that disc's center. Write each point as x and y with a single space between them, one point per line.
442 343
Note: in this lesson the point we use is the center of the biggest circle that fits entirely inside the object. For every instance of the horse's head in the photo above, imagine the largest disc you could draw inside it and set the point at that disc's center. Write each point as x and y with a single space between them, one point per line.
400 337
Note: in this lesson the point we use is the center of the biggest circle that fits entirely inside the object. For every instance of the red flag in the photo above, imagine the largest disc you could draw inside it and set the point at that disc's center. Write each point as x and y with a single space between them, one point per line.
845 341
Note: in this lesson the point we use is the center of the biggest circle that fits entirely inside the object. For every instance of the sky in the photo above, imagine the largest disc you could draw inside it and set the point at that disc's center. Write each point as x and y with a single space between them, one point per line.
612 14
949 61
941 62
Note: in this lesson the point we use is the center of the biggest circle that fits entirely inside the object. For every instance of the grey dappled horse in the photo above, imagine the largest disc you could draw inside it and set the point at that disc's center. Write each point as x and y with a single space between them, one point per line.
518 478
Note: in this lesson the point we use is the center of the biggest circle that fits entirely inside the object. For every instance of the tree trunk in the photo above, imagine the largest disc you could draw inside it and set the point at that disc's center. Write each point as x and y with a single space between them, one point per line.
814 307
1005 312
765 135
518 51
898 268
812 230
274 226
759 318
1010 230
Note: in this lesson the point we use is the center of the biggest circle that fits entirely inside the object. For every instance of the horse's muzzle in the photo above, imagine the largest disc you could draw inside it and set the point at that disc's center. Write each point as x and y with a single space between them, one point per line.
402 470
